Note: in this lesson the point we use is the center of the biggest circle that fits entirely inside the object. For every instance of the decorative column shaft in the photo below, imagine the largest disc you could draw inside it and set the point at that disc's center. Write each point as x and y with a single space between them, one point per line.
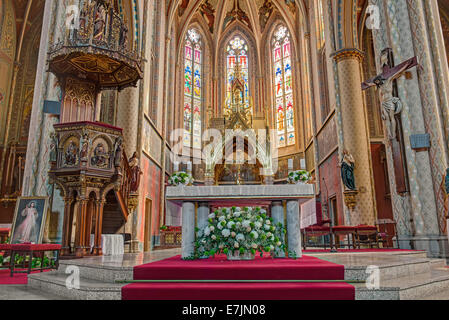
277 213
66 228
80 228
294 228
99 205
203 215
188 229
355 132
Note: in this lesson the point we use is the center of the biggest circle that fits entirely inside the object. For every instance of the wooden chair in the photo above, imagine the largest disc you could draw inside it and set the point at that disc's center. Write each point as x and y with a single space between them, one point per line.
366 235
384 236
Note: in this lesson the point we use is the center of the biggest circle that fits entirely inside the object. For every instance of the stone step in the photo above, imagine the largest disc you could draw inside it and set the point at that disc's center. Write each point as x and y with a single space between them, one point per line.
390 271
55 283
103 273
412 287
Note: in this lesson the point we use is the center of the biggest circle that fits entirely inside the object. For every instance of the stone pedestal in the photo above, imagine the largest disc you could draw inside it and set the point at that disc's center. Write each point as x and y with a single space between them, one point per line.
294 228
277 213
188 229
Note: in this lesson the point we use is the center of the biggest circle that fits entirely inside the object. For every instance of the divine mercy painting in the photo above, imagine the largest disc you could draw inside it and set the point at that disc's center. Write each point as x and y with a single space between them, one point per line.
29 220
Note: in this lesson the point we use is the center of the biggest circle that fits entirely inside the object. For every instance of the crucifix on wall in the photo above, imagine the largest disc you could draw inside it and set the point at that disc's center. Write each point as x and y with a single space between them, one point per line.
391 111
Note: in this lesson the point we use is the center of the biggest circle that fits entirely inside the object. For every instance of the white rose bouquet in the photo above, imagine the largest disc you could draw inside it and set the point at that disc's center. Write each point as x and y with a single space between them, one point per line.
300 176
241 231
180 178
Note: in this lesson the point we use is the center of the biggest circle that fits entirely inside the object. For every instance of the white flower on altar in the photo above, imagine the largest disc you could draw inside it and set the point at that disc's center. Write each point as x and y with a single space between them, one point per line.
248 229
279 243
207 231
226 233
230 224
263 211
240 237
254 235
238 224
214 237
233 234
258 224
267 227
268 222
220 226
236 245
212 228
254 246
221 246
221 218
212 215
246 223
237 214
271 247
238 209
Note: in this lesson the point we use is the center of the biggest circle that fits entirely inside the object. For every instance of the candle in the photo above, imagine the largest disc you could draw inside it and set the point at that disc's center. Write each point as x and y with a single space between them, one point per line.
189 167
290 164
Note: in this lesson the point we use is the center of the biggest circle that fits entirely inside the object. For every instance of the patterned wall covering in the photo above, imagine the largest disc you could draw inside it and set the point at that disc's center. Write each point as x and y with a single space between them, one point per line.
151 141
150 189
327 139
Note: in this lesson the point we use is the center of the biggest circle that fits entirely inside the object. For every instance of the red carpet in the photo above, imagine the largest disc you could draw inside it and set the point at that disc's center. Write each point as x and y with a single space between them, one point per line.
306 268
19 278
361 250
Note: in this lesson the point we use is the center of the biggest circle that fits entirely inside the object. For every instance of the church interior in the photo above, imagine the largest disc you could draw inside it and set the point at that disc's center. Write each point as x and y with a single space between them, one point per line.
128 128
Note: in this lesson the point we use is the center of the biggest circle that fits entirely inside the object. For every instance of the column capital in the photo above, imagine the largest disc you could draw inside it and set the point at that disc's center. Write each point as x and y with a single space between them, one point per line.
277 203
348 53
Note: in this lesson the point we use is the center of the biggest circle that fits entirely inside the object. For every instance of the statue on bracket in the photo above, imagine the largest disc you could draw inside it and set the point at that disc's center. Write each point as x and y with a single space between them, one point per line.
347 166
84 142
118 152
71 155
135 173
53 147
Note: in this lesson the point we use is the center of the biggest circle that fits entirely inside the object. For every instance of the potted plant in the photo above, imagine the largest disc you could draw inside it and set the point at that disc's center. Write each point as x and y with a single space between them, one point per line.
239 233
299 176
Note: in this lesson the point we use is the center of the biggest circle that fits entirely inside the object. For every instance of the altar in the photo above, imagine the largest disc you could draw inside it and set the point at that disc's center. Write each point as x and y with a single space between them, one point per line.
283 201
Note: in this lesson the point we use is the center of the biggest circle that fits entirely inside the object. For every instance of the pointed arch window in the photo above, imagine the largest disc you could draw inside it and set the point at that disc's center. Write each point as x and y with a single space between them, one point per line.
193 59
237 52
283 87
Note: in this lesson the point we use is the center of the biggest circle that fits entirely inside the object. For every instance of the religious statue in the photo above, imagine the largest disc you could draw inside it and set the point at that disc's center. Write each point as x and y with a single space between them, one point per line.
53 147
135 173
83 20
84 143
71 155
347 170
123 42
99 22
100 158
118 152
391 106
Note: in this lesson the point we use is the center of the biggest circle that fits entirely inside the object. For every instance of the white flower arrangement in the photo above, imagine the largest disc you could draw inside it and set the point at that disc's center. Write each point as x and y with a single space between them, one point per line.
244 234
181 178
300 176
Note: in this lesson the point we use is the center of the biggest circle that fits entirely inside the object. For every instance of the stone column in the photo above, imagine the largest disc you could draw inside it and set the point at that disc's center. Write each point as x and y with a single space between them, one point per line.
80 226
188 229
203 215
355 133
277 213
294 228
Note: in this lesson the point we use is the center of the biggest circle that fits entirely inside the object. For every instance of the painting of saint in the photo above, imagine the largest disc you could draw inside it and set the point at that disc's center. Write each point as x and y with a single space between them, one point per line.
29 220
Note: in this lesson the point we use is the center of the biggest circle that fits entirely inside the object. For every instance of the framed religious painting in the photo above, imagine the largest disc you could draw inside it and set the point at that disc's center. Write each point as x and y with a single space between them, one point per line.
29 220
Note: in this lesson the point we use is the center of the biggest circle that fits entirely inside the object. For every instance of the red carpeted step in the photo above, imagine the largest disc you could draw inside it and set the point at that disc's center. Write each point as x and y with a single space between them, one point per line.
238 291
306 268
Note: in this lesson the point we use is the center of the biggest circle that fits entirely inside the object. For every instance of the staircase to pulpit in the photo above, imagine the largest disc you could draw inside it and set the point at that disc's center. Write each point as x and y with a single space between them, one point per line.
88 161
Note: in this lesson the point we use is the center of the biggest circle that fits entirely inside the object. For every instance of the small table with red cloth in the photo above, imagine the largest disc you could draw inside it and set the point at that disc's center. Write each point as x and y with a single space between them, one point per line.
368 232
344 231
32 250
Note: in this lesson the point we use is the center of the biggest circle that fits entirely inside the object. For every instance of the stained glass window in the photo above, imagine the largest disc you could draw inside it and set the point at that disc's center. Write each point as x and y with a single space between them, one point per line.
192 90
283 88
237 51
